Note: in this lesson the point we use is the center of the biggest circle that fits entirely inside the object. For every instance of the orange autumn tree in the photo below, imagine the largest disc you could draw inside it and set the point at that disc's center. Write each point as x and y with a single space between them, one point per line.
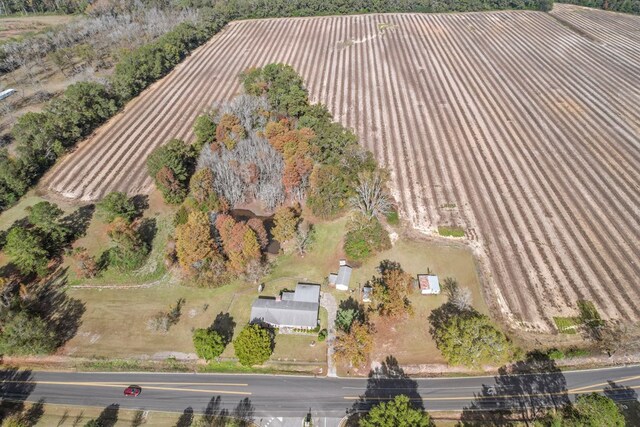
194 244
239 242
229 131
296 149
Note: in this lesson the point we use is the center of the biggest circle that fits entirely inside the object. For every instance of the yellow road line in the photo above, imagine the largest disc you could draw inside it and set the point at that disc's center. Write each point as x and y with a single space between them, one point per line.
114 385
501 396
170 383
587 387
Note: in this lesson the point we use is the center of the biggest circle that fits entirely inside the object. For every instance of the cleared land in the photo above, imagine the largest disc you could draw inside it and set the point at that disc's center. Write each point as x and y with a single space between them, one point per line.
520 127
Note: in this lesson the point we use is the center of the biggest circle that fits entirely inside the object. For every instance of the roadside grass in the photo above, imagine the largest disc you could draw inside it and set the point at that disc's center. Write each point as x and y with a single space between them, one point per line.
567 325
450 231
69 415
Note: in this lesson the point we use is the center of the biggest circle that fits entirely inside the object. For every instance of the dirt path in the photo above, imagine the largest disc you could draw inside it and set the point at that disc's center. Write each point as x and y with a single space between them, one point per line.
329 303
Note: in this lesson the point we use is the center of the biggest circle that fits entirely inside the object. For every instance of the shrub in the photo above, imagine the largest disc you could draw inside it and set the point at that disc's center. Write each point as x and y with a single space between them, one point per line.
208 344
364 238
392 217
555 354
322 335
254 345
450 231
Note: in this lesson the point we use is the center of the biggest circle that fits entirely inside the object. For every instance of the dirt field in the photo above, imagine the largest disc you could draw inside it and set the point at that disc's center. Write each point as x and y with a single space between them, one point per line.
521 127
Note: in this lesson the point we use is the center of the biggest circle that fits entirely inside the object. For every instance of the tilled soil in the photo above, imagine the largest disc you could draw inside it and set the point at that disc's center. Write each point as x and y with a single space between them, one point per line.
522 127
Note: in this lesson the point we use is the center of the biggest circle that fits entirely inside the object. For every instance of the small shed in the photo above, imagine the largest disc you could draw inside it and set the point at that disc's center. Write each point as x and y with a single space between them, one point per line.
366 293
342 278
429 284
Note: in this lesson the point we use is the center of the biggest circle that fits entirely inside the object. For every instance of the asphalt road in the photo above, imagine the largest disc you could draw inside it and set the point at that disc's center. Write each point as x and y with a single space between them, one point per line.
263 396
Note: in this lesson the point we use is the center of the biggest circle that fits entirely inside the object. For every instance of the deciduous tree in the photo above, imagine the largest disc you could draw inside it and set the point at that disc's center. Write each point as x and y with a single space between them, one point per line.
285 222
116 204
468 338
194 244
27 250
371 197
129 250
390 291
25 333
354 346
398 412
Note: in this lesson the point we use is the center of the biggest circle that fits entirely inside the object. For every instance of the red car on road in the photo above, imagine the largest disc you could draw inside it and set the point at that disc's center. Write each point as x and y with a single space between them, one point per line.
132 390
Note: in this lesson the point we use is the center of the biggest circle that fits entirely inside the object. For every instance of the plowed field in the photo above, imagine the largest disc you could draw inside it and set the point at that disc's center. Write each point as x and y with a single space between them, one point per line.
521 127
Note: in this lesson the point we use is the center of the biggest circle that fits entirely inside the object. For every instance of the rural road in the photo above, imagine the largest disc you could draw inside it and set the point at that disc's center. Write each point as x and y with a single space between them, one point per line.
265 396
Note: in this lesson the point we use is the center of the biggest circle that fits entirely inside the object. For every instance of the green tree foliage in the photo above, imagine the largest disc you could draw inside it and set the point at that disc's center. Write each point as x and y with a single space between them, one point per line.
332 140
24 333
593 409
27 250
625 6
171 166
466 337
345 318
281 84
254 345
129 251
46 219
329 191
365 237
116 204
204 129
209 344
43 6
398 412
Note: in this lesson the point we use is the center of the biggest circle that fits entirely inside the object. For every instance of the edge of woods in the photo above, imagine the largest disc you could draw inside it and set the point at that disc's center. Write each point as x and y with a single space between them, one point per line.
43 137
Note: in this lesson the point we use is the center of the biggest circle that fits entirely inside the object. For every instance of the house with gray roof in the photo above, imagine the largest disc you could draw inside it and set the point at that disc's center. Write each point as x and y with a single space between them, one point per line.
342 278
298 309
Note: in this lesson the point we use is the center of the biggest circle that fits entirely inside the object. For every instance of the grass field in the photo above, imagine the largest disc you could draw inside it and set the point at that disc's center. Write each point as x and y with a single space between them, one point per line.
108 332
19 26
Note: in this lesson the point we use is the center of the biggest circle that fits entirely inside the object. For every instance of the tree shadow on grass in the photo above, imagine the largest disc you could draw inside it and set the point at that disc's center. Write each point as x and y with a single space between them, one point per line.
186 419
141 203
384 384
32 415
522 392
224 325
108 417
15 387
627 400
62 313
148 230
78 222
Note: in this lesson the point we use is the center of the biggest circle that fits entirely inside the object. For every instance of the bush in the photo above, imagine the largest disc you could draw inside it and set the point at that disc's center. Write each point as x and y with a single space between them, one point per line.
365 238
208 344
392 217
450 231
322 335
555 354
116 204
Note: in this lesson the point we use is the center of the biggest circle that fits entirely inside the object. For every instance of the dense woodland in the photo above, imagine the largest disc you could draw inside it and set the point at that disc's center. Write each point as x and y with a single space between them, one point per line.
268 145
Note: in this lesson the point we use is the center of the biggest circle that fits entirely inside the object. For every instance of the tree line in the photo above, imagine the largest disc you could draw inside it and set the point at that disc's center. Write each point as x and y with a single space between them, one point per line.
625 6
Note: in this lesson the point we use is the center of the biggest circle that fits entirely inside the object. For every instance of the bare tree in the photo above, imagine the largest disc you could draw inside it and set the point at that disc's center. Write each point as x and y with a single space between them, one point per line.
305 236
460 297
371 194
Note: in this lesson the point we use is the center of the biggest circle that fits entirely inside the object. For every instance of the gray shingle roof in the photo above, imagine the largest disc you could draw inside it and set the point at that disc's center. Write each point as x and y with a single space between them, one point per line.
307 292
296 309
285 313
